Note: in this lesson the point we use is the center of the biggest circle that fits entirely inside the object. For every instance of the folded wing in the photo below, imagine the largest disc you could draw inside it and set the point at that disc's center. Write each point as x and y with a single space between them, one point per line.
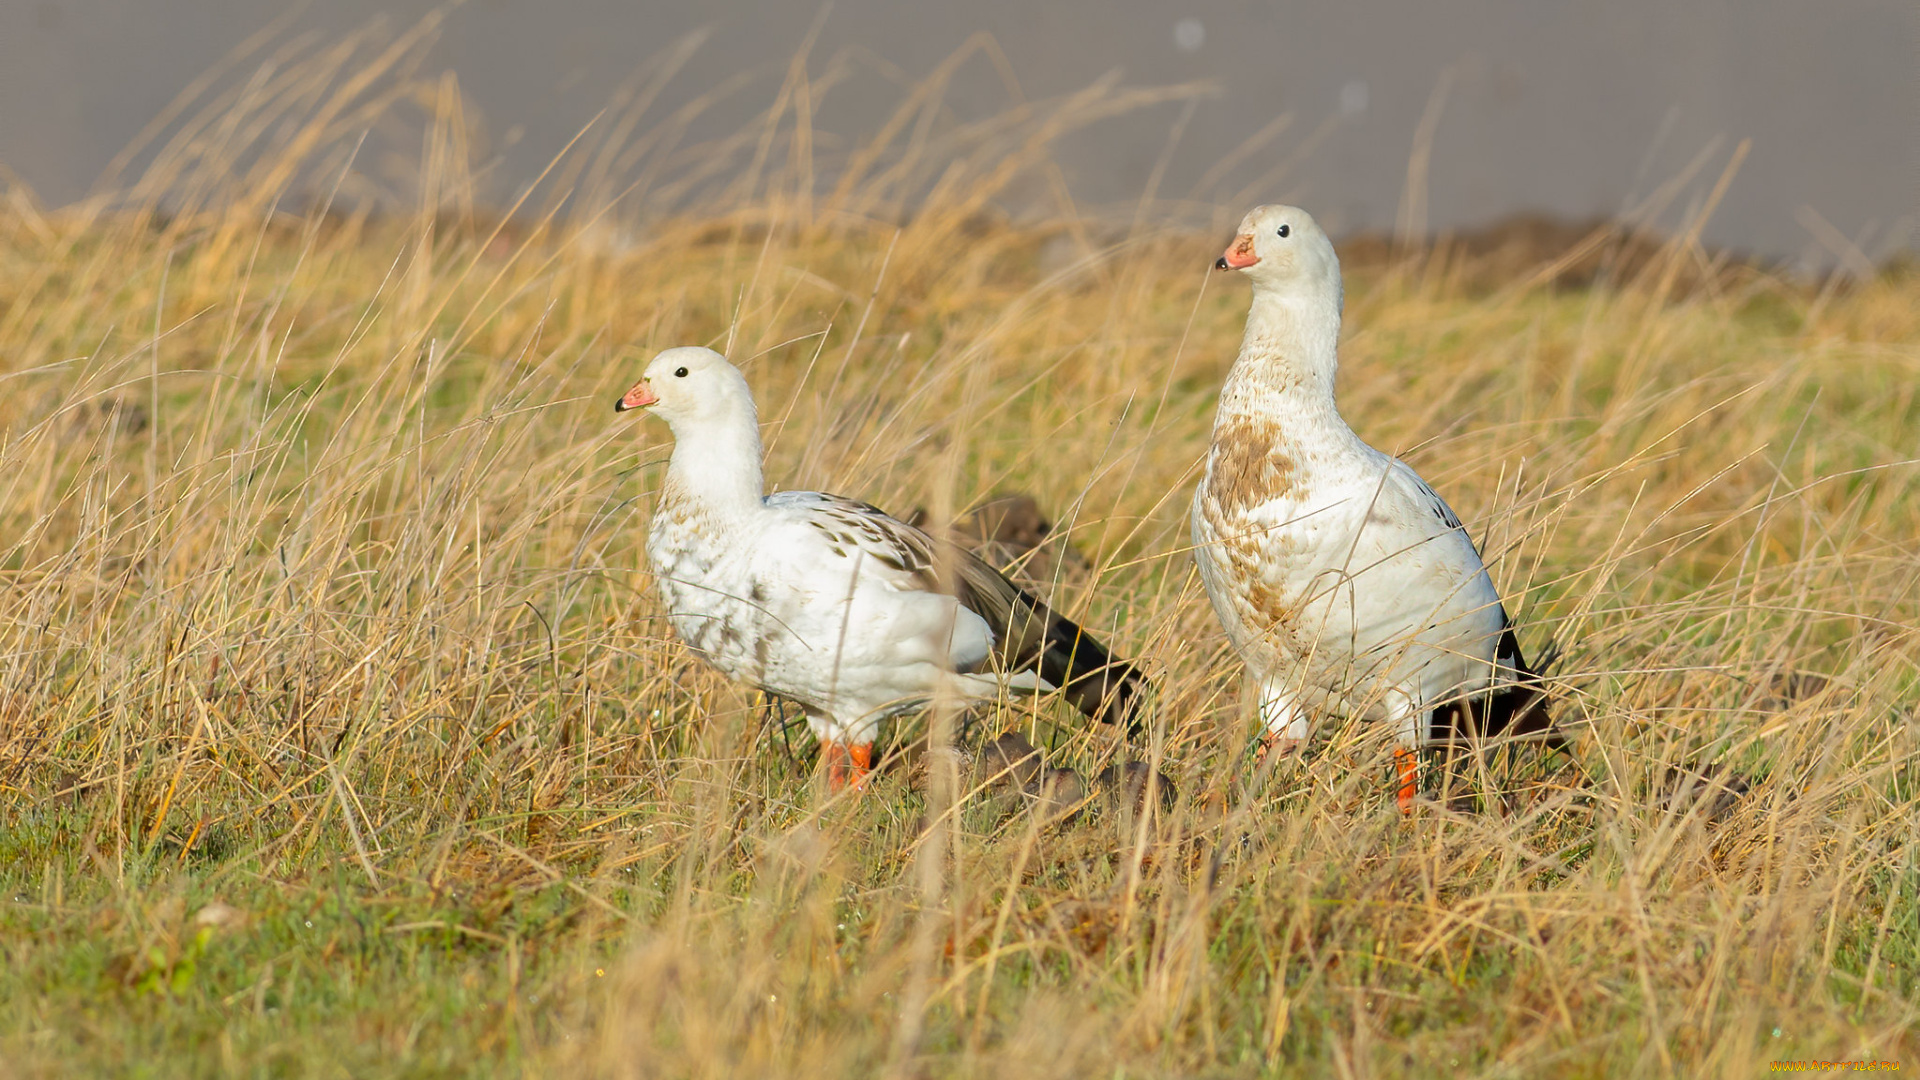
1028 636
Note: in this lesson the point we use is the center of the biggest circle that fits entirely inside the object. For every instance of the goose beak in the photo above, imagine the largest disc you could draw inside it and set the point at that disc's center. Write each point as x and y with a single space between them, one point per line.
1239 256
639 397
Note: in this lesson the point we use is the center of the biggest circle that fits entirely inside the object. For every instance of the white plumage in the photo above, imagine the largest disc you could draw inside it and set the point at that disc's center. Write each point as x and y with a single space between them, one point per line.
829 602
1346 584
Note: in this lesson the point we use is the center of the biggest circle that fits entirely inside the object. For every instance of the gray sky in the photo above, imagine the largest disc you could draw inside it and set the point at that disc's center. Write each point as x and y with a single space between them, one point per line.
1574 109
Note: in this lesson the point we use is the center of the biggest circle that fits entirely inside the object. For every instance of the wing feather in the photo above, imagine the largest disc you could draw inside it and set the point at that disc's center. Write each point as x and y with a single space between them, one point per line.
1517 706
1028 636
1430 499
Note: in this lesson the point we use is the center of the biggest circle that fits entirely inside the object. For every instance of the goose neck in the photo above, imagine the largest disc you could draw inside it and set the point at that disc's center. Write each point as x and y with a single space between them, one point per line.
717 467
1288 359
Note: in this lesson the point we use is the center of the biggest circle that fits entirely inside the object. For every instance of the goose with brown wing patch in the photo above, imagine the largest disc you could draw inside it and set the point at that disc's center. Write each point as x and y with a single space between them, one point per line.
829 602
1346 583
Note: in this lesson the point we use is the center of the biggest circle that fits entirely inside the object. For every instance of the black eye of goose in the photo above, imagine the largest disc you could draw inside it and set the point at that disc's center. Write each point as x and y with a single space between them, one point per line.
679 373
1285 229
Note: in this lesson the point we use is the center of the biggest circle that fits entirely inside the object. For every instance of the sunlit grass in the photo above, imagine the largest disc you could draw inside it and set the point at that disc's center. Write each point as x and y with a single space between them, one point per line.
340 733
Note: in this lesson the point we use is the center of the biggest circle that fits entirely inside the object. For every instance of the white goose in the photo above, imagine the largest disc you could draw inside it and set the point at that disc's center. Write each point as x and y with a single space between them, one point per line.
1346 584
829 602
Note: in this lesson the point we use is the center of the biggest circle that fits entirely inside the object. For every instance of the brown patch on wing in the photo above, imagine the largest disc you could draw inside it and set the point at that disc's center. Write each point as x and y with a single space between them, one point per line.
1247 466
851 526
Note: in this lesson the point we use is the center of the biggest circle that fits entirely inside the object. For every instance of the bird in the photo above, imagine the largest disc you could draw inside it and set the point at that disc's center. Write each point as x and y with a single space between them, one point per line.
1345 583
828 602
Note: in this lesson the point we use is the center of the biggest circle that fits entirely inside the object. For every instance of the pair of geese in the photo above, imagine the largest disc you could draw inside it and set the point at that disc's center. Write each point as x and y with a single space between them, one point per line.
1344 582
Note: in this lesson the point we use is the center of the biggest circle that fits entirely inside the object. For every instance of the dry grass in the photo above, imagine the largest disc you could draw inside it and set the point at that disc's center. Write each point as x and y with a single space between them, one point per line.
340 733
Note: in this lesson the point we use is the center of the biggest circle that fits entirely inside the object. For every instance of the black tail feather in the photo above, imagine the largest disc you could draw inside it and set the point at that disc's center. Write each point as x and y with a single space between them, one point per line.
1104 688
1030 636
1517 711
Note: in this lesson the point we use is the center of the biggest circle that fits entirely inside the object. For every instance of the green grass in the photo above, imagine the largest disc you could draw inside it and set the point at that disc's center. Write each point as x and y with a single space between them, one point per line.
340 732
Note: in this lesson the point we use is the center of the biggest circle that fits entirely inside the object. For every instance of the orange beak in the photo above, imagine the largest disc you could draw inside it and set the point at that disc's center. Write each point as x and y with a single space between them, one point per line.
1239 256
639 397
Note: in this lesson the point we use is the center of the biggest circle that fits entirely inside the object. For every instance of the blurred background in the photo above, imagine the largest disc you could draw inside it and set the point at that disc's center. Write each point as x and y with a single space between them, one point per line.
1392 117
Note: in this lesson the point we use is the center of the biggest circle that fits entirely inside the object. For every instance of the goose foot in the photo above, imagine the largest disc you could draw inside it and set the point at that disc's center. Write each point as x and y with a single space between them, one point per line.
848 764
1274 747
1407 764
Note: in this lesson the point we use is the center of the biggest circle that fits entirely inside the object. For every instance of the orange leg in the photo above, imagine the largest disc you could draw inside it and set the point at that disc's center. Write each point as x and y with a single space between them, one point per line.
1407 764
1274 747
848 764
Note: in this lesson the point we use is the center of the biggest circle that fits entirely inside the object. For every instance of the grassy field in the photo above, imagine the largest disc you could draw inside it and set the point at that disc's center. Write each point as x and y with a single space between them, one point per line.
341 733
